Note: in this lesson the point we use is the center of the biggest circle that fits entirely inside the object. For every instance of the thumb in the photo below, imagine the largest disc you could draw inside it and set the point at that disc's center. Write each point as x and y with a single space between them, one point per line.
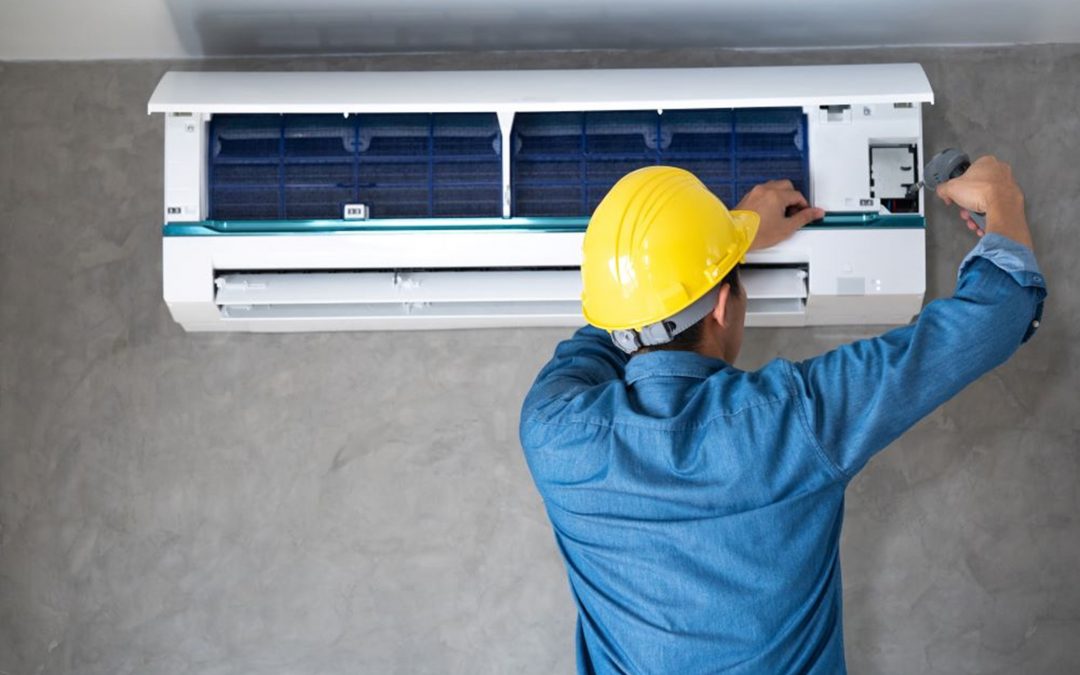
942 191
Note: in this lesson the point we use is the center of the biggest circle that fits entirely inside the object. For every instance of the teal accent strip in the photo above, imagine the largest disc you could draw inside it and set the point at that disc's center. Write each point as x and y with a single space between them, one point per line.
227 227
211 228
901 220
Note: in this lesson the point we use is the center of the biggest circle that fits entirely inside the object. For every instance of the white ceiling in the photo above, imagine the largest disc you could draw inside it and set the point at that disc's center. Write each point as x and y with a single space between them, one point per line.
111 29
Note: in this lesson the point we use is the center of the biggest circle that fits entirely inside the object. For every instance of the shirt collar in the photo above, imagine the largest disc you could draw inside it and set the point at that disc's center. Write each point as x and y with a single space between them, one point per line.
672 363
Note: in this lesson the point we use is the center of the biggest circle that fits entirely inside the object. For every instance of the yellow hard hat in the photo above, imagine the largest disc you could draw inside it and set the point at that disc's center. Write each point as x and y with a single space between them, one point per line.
658 242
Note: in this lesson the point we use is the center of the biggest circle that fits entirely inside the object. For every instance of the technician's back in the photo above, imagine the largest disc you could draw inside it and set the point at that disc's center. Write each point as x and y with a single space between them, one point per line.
698 519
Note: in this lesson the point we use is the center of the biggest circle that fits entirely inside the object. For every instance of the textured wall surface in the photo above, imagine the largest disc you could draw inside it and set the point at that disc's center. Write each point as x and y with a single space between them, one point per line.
358 503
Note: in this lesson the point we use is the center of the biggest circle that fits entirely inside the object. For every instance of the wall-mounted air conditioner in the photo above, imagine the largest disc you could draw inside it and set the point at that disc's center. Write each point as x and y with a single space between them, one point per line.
387 200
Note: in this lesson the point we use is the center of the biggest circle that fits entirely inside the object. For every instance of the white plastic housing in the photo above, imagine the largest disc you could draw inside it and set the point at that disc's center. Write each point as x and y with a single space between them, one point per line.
853 275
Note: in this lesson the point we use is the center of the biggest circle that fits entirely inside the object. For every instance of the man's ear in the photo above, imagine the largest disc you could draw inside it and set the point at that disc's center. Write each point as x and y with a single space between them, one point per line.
720 311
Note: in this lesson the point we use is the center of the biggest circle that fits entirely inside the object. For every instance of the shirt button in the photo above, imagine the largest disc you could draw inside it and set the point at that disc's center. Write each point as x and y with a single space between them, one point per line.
1035 324
1037 279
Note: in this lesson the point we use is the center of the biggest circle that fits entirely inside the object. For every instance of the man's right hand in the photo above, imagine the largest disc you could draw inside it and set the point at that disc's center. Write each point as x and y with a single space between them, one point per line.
988 187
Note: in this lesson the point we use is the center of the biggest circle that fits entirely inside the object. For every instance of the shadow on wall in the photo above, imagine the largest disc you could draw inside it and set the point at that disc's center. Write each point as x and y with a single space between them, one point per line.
340 27
322 27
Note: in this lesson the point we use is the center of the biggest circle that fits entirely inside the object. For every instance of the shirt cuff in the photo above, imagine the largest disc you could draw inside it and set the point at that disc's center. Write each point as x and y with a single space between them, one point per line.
1016 260
1010 256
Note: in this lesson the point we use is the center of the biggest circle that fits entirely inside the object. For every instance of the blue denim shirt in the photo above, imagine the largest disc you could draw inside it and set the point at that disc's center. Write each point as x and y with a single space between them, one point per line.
698 506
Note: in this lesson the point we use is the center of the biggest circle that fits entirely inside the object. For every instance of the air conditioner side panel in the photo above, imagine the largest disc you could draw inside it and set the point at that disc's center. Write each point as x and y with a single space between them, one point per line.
188 280
840 151
185 167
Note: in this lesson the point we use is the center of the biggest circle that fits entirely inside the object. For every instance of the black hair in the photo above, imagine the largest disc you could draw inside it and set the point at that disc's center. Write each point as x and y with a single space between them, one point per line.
690 339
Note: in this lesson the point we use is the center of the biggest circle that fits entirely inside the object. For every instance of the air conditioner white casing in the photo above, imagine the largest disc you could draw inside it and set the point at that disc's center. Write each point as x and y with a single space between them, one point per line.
864 265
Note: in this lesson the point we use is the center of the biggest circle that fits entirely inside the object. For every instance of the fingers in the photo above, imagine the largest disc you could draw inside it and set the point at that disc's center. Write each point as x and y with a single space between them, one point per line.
787 194
793 197
773 194
943 193
805 217
971 224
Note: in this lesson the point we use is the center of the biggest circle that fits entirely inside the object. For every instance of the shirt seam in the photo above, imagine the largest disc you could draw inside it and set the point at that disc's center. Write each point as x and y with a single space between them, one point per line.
607 424
695 374
831 465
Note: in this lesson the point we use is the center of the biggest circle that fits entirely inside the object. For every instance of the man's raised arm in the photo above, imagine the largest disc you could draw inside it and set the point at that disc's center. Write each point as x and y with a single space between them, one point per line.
860 397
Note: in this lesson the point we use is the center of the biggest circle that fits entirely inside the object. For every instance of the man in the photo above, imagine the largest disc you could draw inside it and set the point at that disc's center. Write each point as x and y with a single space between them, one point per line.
697 506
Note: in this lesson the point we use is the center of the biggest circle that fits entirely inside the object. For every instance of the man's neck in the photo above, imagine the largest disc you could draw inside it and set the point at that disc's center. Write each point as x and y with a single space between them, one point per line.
716 343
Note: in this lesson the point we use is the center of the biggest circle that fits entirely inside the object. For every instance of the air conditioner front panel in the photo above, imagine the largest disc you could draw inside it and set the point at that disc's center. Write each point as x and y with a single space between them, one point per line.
205 273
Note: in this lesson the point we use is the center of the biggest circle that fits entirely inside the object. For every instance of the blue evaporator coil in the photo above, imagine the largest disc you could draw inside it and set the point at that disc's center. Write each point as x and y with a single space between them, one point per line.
447 165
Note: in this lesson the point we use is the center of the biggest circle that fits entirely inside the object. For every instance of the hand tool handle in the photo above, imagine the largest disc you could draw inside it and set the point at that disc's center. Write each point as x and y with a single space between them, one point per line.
948 164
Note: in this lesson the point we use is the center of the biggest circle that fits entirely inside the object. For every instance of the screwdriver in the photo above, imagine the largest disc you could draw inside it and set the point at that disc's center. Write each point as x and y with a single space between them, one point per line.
948 164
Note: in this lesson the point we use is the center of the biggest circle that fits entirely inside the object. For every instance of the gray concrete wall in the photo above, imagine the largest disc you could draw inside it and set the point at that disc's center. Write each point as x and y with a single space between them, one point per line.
358 503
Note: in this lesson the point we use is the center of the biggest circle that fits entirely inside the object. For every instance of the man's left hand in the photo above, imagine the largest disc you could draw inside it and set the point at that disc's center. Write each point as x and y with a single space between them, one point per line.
773 201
